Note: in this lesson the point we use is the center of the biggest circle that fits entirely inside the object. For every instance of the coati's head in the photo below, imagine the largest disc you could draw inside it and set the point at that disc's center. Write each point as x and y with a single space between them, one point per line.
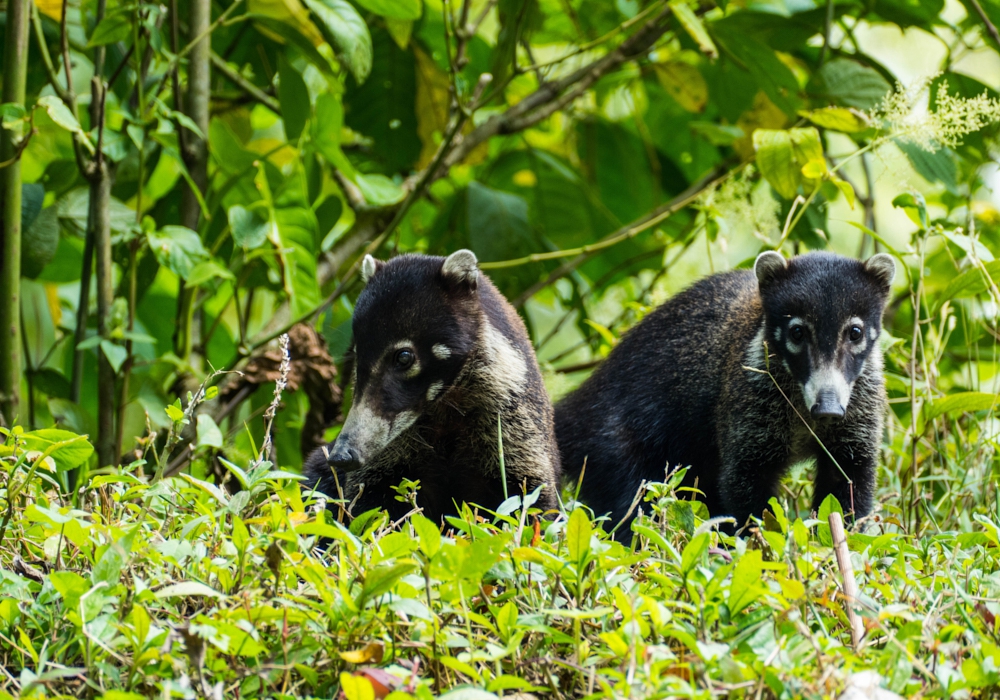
415 324
823 316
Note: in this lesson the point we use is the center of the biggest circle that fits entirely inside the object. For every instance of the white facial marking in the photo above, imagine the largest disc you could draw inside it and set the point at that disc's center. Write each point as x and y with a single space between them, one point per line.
755 353
503 362
777 334
366 432
872 333
433 390
402 421
791 345
826 377
441 351
862 345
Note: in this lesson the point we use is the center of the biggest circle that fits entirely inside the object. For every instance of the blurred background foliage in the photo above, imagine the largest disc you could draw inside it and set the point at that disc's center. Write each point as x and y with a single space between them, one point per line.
596 155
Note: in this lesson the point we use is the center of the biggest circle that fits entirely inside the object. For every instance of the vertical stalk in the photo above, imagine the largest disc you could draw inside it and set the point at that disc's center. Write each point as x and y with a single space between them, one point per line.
99 225
194 152
133 248
15 64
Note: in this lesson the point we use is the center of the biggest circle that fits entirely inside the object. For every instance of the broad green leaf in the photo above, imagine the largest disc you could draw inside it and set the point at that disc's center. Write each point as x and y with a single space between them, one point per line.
844 119
684 83
60 114
915 206
249 230
961 402
68 450
109 567
207 271
578 531
428 533
694 27
693 552
116 26
293 96
209 434
845 188
116 354
177 248
852 85
745 587
406 10
782 155
379 190
973 281
343 27
381 578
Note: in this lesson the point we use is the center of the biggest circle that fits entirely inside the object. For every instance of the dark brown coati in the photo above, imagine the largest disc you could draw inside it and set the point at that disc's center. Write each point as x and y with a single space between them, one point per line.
689 386
440 357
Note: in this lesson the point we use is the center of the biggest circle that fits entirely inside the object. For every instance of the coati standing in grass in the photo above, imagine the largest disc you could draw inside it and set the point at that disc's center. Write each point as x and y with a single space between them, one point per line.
689 385
440 356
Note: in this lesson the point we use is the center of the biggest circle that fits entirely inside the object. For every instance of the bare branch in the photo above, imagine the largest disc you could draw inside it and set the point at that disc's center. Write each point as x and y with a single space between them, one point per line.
244 84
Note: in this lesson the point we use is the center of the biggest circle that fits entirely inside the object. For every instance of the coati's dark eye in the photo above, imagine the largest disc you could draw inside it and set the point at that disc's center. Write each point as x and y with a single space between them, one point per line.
797 333
856 333
405 358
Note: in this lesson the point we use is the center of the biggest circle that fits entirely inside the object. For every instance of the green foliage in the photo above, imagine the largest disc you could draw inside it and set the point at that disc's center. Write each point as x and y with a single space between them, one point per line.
597 156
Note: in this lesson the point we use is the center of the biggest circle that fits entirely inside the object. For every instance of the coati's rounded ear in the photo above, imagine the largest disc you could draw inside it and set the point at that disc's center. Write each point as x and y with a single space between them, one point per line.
369 266
461 268
769 263
883 268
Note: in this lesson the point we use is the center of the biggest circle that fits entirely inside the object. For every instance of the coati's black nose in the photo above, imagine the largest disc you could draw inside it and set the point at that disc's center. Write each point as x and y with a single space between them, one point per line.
827 406
343 457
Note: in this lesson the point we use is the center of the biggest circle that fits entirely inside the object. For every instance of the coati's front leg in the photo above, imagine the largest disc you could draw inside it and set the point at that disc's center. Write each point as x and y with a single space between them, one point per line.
753 461
857 458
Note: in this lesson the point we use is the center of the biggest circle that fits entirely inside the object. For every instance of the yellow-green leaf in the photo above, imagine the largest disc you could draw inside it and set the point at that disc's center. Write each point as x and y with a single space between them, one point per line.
694 27
844 119
684 83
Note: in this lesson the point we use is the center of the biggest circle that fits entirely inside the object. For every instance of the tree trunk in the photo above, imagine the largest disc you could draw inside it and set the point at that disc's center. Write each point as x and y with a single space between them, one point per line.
15 62
194 152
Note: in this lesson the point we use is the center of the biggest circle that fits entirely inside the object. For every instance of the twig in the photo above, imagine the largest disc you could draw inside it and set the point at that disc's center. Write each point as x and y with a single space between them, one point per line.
847 574
990 27
244 84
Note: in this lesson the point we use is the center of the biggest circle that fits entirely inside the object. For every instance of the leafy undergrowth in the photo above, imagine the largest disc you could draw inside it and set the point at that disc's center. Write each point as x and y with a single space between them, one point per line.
179 589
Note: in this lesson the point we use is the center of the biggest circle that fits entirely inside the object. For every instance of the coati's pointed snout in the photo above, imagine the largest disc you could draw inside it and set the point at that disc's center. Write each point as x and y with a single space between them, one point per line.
827 406
344 457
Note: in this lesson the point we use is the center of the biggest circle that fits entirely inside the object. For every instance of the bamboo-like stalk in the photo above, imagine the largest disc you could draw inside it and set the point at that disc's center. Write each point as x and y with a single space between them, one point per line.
15 65
99 227
194 151
847 573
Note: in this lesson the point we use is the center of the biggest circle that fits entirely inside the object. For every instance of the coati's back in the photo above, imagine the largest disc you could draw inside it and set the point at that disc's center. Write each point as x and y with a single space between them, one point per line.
651 405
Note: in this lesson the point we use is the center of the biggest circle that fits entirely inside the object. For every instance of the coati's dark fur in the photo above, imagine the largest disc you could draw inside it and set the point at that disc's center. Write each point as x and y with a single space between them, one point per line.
440 357
689 386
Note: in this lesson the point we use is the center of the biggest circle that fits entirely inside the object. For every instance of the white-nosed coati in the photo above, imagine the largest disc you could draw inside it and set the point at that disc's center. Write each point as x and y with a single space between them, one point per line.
692 385
442 359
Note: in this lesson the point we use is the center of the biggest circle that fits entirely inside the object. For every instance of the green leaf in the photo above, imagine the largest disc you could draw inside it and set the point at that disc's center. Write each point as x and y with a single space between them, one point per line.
206 271
970 283
428 533
249 230
915 206
68 450
116 26
356 687
961 402
293 96
379 579
851 84
60 114
177 248
209 434
379 191
109 567
407 10
745 587
343 27
782 155
693 552
175 413
694 27
116 354
844 119
578 531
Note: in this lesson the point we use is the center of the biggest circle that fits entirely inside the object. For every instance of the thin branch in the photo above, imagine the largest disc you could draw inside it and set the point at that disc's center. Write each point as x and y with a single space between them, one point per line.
990 27
656 216
244 84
